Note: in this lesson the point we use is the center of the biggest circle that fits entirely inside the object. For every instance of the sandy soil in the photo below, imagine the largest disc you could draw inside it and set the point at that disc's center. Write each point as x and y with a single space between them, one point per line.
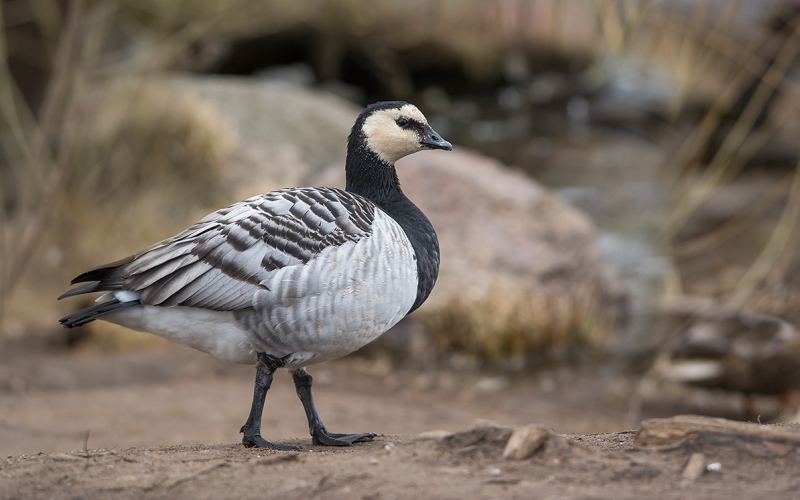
147 424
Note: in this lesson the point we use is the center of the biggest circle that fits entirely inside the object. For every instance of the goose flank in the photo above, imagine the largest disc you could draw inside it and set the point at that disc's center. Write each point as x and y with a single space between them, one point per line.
289 278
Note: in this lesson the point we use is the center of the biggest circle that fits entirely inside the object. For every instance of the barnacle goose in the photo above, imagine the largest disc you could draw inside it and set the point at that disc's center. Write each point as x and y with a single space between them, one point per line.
288 278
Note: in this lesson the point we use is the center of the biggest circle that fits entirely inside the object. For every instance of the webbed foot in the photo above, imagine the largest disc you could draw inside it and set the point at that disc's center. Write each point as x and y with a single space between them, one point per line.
254 440
325 438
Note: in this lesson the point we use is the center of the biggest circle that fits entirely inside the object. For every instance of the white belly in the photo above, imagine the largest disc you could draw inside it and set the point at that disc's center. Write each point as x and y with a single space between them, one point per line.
214 332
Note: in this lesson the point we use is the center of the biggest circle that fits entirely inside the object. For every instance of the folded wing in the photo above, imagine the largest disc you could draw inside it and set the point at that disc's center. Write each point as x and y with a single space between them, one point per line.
219 262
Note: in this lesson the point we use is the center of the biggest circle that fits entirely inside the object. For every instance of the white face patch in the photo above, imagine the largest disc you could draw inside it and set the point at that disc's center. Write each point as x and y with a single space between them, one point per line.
387 139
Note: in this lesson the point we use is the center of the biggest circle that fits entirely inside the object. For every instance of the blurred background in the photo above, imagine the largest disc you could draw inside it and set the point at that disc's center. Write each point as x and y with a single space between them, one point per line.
623 199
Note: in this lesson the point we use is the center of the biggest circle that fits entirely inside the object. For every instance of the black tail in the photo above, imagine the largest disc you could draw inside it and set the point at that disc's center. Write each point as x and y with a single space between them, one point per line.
100 279
90 314
104 272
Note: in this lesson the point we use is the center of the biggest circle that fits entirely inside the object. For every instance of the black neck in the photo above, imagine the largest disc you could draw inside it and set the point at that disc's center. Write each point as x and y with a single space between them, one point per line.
368 175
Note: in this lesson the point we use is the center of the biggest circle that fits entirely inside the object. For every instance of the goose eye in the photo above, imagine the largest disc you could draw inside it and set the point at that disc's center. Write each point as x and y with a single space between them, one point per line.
402 122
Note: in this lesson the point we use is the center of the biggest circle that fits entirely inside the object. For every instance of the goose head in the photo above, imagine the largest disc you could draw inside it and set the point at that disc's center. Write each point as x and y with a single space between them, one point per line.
395 129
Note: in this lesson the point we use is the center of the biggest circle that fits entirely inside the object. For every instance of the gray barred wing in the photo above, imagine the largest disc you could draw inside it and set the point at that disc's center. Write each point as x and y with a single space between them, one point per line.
219 262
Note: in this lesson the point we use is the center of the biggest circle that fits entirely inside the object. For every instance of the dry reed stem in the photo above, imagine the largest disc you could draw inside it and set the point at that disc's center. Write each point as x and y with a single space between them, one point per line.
750 63
777 244
735 226
743 141
40 196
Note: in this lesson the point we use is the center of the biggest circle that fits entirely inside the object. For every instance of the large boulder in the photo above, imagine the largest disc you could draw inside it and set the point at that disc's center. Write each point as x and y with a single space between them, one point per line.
282 134
498 228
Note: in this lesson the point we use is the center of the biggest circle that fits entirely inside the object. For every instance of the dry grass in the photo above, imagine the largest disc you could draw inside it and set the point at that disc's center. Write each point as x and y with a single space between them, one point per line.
521 328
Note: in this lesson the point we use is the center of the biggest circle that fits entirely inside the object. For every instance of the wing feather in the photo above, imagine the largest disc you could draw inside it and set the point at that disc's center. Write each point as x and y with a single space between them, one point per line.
140 279
219 262
157 293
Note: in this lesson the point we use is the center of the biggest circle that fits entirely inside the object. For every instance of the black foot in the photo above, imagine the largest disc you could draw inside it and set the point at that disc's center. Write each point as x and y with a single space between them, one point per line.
325 438
256 441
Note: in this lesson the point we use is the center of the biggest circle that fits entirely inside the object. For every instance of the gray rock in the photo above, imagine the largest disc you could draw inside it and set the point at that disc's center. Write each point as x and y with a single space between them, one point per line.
283 134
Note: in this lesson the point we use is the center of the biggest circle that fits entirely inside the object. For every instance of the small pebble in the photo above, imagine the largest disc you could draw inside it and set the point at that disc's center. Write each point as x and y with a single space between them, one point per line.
715 467
695 467
389 446
495 471
525 442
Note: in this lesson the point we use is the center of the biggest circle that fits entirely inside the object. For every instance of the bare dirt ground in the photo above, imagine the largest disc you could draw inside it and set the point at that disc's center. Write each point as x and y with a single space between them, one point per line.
162 423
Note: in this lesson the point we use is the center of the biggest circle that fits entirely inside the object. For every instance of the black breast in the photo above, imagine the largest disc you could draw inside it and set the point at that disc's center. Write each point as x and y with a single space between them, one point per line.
424 241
